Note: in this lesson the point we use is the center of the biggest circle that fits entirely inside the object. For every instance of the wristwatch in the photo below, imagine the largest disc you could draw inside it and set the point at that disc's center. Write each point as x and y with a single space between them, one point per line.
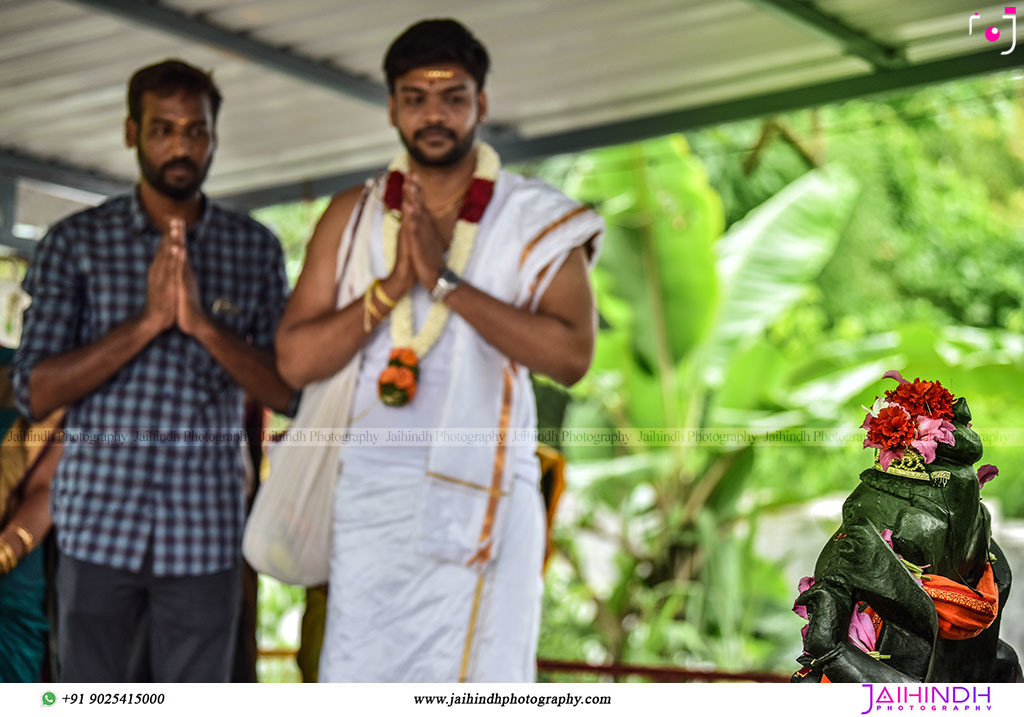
446 284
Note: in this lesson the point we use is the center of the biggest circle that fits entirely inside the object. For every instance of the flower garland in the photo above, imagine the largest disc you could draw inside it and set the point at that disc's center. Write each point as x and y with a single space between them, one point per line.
910 421
397 383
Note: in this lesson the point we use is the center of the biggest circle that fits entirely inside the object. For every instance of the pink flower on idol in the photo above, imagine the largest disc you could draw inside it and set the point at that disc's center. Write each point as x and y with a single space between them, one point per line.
930 432
896 375
801 610
986 473
889 455
862 630
887 537
805 583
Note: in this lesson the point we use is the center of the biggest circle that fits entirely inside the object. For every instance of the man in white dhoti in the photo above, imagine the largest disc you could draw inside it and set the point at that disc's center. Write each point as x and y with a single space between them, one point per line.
426 299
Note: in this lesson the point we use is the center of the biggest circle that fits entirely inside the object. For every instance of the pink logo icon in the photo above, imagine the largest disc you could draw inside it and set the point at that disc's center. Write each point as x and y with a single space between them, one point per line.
993 34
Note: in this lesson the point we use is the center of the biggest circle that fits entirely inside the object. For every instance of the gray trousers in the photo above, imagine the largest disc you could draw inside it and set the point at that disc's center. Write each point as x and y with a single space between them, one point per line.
122 626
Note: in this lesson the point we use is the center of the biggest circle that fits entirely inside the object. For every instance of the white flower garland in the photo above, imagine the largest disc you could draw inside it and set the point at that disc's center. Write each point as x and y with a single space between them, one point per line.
463 240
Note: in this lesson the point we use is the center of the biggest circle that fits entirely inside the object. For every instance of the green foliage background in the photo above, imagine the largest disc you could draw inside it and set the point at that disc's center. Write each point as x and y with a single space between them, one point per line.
762 276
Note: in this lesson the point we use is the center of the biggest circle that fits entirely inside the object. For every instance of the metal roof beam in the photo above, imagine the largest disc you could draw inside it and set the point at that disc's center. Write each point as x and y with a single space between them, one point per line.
854 42
761 105
17 164
24 248
194 29
676 121
298 191
8 208
8 201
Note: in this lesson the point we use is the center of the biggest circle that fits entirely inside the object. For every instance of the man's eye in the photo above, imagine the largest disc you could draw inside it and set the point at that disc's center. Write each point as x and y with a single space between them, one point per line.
456 99
199 132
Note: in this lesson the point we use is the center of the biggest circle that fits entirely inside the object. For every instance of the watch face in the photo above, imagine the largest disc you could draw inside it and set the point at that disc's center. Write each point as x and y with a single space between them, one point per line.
446 283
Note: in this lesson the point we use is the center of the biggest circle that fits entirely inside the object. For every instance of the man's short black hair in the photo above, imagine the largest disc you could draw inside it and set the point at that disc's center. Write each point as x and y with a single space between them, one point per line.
167 78
434 41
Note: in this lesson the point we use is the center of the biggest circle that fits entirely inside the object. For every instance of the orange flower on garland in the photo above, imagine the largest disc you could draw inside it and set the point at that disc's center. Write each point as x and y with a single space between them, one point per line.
927 398
397 383
405 380
405 357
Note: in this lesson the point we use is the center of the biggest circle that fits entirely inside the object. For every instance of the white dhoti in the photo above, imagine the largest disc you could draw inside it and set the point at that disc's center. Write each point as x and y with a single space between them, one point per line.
395 615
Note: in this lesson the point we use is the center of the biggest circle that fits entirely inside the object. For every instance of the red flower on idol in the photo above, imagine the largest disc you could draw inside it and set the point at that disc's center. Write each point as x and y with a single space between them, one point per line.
893 427
919 397
912 417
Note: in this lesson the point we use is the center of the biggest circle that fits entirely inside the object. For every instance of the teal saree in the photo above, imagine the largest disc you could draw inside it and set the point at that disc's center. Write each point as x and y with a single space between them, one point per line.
23 622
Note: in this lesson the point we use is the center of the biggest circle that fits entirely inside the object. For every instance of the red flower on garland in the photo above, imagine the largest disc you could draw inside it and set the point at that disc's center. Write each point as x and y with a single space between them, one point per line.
893 427
921 398
393 191
475 202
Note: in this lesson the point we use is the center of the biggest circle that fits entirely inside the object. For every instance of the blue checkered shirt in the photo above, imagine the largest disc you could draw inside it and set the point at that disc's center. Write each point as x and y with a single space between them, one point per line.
152 458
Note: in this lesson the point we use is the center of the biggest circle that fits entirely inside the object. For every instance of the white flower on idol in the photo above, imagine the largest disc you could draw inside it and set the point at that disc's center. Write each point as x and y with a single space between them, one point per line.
877 406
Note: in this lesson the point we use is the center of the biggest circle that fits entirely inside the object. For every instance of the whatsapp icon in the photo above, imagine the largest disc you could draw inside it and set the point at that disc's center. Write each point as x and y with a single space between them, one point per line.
49 698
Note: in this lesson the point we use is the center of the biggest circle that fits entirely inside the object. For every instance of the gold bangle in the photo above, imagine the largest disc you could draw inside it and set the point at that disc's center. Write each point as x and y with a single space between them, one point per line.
367 324
373 310
381 295
26 537
8 560
369 310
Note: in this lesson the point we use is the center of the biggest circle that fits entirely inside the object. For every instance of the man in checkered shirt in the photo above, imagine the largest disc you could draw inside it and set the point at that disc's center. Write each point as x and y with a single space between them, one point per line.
150 315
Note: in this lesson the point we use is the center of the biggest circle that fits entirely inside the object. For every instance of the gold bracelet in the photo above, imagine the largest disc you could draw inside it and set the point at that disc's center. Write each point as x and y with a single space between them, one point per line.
8 560
369 310
381 295
376 314
367 324
26 537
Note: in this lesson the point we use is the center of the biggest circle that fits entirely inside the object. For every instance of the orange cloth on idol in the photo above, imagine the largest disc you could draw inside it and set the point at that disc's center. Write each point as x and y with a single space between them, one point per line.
962 614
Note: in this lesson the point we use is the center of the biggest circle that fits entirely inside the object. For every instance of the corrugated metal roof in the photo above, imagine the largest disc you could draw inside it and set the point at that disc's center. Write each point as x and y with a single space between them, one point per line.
566 73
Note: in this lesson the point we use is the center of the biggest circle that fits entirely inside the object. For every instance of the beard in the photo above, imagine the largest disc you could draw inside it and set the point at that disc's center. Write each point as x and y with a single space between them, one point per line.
158 179
461 146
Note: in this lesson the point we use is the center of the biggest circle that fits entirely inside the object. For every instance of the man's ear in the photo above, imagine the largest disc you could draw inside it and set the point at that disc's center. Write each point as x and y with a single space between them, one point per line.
131 133
481 106
391 110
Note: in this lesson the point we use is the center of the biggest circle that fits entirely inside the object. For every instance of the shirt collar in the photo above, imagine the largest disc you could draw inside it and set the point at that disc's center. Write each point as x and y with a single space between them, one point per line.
141 222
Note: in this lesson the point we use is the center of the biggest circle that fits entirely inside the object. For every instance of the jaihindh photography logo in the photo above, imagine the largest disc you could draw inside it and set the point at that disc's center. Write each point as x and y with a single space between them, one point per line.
928 698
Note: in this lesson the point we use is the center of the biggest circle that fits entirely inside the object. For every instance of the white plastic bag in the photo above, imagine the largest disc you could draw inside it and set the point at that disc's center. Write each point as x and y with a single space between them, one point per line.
288 533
